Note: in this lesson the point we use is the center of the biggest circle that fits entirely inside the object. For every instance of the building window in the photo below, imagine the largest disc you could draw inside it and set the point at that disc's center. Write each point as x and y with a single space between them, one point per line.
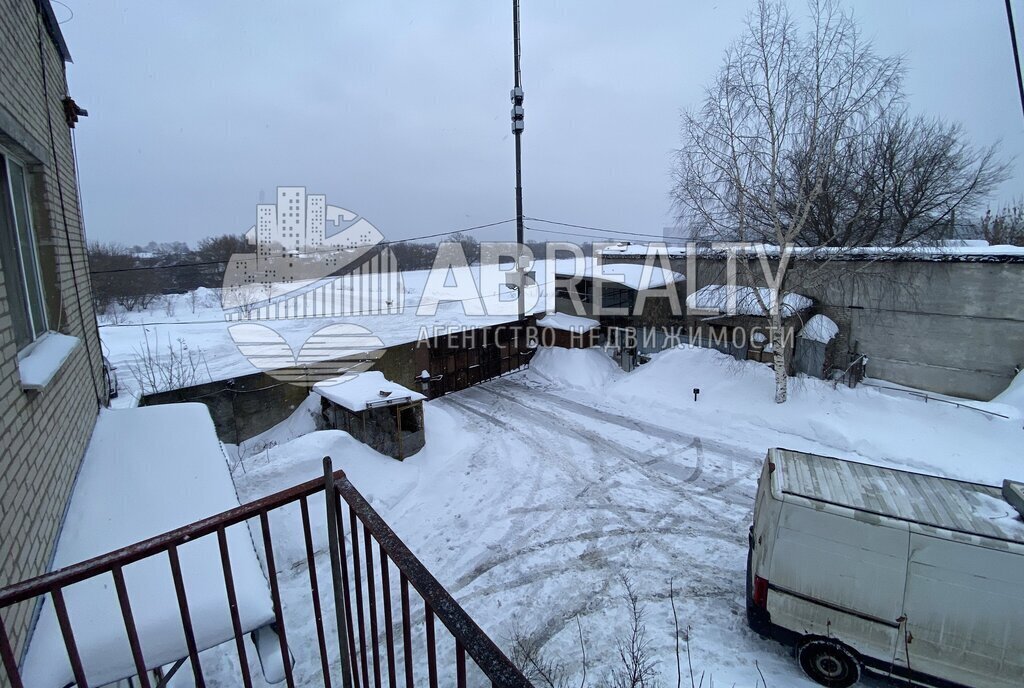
18 255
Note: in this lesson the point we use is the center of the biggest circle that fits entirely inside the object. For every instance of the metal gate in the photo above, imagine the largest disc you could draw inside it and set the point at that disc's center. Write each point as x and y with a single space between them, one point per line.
463 359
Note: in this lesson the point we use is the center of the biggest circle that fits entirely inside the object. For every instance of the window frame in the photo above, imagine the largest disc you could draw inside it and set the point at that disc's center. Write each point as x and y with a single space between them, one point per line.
35 316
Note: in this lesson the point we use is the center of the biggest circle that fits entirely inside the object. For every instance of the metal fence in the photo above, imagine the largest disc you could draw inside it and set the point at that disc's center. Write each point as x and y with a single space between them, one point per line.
370 614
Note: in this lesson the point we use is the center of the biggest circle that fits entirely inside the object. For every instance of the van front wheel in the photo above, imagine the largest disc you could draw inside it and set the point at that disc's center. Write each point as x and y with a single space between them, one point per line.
828 662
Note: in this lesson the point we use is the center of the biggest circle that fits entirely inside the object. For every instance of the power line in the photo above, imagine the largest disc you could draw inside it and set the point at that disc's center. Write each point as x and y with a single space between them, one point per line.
332 250
617 232
559 232
312 317
63 209
563 233
1016 53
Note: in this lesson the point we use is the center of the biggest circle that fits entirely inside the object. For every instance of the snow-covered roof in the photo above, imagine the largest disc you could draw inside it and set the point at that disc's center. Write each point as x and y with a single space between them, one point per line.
927 500
360 391
716 297
569 323
147 471
964 250
636 276
820 328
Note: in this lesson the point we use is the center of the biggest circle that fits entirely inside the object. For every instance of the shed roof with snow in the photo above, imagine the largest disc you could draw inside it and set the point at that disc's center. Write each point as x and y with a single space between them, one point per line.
719 298
360 391
820 328
568 323
636 276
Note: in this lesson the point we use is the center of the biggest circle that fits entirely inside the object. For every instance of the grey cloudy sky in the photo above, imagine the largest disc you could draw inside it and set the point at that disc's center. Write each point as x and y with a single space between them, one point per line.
399 110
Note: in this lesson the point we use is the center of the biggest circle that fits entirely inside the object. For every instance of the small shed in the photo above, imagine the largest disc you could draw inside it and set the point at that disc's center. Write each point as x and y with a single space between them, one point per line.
813 351
568 331
382 414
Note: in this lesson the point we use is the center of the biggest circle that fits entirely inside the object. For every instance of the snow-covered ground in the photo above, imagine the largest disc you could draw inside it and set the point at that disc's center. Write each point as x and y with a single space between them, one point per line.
196 321
195 327
539 492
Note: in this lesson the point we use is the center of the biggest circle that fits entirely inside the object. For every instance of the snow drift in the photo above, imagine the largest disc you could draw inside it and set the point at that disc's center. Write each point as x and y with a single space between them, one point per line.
573 368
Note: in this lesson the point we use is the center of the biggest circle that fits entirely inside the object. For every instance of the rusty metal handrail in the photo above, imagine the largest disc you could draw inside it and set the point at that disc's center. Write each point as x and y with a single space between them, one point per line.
469 637
106 563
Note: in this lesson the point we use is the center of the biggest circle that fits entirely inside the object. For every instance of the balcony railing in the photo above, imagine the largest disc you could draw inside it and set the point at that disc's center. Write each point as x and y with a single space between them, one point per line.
378 633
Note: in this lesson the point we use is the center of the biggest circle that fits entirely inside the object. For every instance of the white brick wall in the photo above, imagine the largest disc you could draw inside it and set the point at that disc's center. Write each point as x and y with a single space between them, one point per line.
43 435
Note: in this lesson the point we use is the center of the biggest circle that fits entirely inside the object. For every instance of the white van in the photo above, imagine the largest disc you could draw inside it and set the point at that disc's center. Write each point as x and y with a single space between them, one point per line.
902 574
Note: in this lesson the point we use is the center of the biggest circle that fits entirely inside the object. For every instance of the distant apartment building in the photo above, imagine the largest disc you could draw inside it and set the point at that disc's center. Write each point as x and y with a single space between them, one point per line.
300 237
51 374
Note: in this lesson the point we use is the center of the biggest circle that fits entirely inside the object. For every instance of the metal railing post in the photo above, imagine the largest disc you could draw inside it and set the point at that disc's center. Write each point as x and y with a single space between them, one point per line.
334 539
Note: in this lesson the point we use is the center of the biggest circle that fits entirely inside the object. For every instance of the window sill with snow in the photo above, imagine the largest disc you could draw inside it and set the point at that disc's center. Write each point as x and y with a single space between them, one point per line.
39 363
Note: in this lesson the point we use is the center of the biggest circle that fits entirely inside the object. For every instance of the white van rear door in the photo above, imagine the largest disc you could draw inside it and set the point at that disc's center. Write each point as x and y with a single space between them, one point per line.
965 612
838 576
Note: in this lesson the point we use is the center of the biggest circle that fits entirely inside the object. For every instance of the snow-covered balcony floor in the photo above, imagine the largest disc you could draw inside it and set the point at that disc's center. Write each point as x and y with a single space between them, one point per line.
147 471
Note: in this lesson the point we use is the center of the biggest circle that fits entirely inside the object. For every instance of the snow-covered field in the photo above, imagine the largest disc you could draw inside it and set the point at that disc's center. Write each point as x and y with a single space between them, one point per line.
197 321
538 493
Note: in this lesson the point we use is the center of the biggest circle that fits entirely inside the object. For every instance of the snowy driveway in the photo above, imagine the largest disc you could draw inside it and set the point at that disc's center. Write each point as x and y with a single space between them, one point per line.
537 493
595 495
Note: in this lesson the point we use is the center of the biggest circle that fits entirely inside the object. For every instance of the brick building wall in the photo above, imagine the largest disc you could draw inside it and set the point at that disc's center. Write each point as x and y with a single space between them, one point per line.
44 433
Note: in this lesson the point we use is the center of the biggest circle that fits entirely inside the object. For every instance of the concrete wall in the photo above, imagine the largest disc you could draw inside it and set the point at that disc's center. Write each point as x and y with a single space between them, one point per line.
952 327
44 433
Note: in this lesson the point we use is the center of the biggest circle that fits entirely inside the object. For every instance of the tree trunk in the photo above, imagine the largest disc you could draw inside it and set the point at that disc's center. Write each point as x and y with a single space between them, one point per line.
779 355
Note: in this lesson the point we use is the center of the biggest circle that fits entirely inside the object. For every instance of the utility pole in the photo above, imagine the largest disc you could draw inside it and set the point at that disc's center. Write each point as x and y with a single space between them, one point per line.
517 130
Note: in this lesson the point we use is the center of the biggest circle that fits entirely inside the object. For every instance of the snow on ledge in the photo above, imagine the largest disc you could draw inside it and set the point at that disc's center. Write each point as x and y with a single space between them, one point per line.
39 366
715 297
635 276
359 391
820 328
147 471
568 323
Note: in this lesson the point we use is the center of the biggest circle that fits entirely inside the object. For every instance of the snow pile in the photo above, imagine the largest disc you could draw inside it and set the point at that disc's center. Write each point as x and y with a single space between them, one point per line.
715 297
568 323
359 391
864 424
820 328
147 471
626 248
1013 395
573 368
281 459
1000 512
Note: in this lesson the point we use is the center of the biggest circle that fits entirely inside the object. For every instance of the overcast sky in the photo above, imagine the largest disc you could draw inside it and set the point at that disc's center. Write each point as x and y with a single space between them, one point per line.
399 111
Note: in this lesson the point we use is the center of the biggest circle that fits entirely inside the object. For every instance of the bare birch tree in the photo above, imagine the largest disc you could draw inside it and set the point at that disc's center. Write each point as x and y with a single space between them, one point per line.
795 125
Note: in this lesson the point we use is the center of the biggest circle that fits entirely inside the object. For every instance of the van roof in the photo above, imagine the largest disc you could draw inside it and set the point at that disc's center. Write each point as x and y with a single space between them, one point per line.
928 500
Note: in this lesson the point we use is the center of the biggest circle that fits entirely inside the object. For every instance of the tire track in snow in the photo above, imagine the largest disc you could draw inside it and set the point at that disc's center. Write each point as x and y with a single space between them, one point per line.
671 436
651 429
617 502
668 520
